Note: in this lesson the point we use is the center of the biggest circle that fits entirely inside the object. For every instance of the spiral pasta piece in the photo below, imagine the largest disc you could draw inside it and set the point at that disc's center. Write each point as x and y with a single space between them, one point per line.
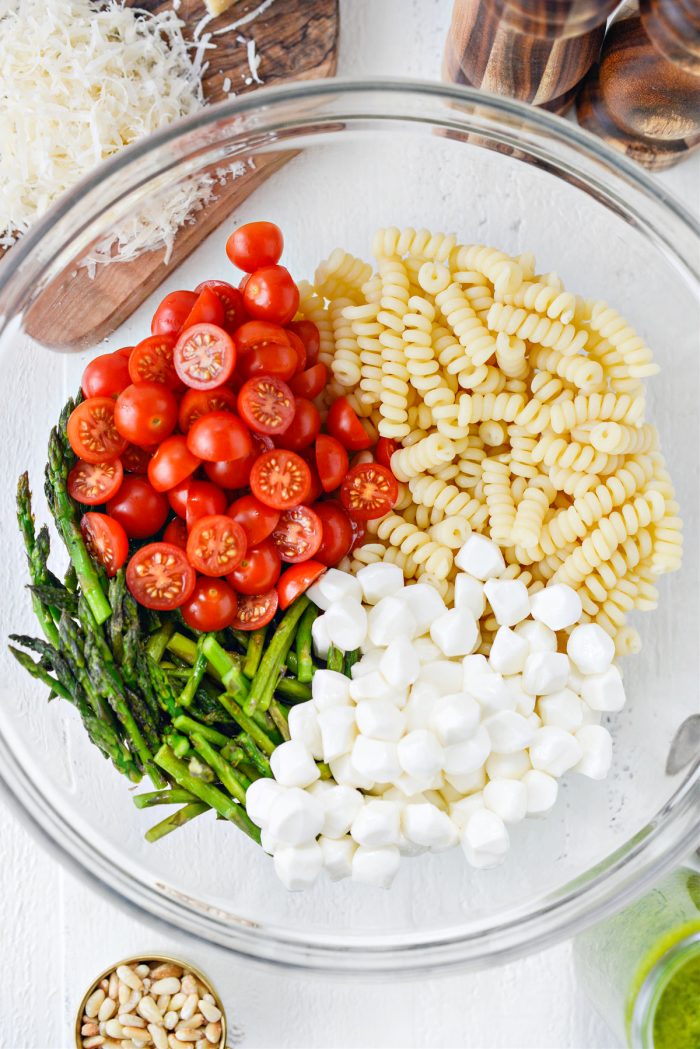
504 272
565 338
544 298
635 354
553 450
341 275
411 540
476 340
312 308
511 355
421 243
531 511
445 500
596 408
428 453
581 371
452 532
499 500
374 553
622 439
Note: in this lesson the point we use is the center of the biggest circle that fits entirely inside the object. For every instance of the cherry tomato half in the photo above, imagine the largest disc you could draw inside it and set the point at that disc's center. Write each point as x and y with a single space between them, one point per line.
146 413
176 533
258 571
257 520
151 360
304 427
94 483
344 424
280 479
204 356
171 464
255 244
232 300
212 606
177 497
197 403
105 540
172 312
310 382
271 295
383 451
296 580
309 335
160 577
266 404
106 375
331 460
203 500
140 510
369 491
219 436
208 309
338 534
135 460
253 335
256 611
92 432
216 545
298 534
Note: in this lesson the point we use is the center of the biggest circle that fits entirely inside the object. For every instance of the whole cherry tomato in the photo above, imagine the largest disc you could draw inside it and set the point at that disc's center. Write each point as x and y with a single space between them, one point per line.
212 606
106 375
138 507
254 245
271 295
258 571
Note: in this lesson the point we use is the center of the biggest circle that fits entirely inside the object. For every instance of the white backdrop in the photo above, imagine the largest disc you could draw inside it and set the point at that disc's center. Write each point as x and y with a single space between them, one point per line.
56 933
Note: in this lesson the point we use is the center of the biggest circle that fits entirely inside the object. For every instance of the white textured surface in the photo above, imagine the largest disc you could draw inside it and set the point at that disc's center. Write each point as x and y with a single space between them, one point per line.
57 934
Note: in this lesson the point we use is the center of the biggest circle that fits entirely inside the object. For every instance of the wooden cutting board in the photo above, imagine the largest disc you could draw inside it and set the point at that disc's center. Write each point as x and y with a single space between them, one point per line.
296 40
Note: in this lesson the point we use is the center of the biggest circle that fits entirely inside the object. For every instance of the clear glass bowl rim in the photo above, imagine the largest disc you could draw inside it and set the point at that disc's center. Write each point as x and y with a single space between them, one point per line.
623 875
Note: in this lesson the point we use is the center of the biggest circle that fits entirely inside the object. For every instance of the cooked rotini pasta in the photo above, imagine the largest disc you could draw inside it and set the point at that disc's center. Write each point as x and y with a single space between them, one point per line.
520 410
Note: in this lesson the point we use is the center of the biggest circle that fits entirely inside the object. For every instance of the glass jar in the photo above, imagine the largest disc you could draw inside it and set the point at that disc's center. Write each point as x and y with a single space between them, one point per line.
642 967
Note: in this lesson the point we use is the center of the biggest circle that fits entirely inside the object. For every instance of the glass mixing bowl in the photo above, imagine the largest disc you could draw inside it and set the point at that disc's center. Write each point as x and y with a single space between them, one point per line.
362 156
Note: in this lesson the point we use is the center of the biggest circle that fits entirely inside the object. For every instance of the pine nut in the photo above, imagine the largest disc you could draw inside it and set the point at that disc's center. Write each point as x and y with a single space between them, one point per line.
104 984
114 1029
141 969
94 1002
170 1019
189 984
168 985
209 1011
127 975
178 1000
124 993
163 1002
111 1044
212 1033
175 1043
131 1020
159 972
149 1010
159 1036
188 1034
89 1028
137 1034
128 1044
107 1009
131 1003
189 1008
92 1043
195 1021
113 987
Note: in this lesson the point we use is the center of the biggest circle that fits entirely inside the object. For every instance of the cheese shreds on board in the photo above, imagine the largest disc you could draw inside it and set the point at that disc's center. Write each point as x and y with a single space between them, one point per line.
79 81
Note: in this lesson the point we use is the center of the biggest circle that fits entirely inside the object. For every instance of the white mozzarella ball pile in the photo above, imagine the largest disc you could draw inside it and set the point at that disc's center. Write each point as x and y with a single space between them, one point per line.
431 745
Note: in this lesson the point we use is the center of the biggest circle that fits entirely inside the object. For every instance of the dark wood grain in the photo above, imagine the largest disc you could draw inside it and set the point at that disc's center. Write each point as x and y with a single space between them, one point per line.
643 97
535 50
297 40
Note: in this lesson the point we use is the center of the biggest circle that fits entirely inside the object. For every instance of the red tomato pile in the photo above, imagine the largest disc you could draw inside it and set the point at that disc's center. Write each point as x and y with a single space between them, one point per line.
206 435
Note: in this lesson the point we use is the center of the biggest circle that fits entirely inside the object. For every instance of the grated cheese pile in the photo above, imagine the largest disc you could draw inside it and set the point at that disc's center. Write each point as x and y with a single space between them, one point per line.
79 81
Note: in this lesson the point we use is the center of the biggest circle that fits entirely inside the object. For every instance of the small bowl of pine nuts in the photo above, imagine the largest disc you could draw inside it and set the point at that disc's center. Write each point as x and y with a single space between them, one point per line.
152 1002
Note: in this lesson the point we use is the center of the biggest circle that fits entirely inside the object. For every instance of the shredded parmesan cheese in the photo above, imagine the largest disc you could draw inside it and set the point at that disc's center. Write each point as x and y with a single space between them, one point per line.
78 82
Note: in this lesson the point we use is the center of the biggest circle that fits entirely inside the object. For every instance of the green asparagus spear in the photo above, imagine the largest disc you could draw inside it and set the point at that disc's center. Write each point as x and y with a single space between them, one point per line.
280 717
305 663
188 725
36 557
256 643
66 518
334 660
255 756
292 663
292 690
158 642
350 659
213 797
198 671
235 783
177 819
248 724
265 680
170 796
